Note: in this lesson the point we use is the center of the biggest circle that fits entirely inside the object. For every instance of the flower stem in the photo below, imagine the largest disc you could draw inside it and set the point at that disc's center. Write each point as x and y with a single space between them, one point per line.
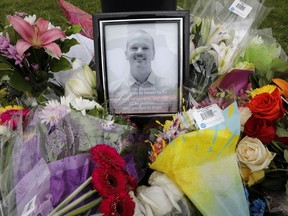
85 208
71 196
75 202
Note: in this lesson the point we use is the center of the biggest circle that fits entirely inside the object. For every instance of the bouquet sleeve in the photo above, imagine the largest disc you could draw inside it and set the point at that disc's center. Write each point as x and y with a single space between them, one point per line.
204 165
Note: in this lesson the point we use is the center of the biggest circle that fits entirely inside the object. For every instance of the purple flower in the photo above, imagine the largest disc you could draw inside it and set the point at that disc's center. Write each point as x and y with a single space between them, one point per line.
236 80
9 51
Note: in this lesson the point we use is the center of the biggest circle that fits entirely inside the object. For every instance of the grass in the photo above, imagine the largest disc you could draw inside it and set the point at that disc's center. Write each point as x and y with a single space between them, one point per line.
50 10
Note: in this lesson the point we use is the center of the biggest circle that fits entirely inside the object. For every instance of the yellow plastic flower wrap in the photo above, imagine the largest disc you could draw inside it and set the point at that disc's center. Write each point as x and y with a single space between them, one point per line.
203 163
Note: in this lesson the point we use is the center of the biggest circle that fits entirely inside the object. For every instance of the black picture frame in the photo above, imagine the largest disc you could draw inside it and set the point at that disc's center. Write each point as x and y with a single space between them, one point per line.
170 32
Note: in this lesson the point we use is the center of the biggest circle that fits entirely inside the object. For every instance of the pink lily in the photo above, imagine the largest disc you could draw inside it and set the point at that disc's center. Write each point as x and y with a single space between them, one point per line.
37 35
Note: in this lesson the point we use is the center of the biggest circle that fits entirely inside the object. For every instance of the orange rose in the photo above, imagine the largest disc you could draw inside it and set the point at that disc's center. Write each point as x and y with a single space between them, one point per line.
267 106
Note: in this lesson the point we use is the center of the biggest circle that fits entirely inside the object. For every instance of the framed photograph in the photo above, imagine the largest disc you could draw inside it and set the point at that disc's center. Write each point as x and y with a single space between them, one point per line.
141 60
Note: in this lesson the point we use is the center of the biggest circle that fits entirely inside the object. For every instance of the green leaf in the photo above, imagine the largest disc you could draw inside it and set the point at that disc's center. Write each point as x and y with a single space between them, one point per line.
74 29
67 44
5 69
60 65
278 65
58 89
286 155
281 132
18 82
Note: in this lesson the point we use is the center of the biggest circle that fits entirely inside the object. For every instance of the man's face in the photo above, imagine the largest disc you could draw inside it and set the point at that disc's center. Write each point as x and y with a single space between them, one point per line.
140 51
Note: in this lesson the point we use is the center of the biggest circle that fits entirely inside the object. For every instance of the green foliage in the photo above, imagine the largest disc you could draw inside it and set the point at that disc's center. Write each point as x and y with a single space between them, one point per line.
59 65
67 44
73 30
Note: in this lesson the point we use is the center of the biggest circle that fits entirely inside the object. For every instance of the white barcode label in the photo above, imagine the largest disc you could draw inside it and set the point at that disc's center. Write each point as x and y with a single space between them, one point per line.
240 8
29 207
208 116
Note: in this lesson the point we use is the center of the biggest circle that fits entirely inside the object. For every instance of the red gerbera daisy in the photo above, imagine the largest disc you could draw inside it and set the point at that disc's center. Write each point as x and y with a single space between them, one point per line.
107 156
119 205
108 181
131 182
11 115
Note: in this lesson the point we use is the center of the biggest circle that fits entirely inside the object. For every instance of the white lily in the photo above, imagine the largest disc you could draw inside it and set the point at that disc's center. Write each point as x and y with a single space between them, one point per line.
226 56
89 75
212 33
82 83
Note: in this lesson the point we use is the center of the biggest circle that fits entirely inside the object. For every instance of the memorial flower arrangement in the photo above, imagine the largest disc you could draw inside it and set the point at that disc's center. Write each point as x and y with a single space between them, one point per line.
63 153
32 50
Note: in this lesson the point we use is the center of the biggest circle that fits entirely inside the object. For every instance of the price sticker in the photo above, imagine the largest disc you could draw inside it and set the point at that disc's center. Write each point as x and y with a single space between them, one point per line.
209 116
29 207
240 8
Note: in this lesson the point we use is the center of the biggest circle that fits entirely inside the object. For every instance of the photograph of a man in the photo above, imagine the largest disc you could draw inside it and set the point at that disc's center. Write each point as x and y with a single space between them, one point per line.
142 90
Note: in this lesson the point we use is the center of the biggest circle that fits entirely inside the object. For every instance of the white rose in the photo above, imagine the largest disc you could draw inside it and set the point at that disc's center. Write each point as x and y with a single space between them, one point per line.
245 114
253 154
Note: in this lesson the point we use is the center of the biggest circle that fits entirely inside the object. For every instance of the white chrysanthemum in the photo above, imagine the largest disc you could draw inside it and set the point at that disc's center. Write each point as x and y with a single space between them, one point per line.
82 105
30 19
66 100
53 112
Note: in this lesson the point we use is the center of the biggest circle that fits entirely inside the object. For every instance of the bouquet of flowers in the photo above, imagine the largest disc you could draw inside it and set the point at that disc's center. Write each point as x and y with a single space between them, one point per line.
38 67
31 51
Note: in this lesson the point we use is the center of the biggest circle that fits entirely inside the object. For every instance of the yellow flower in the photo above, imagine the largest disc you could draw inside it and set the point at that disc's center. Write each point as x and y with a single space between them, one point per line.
13 107
167 125
249 177
264 89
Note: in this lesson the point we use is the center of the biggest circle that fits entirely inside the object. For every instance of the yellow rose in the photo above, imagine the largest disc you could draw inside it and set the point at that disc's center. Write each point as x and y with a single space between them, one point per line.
253 154
249 177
